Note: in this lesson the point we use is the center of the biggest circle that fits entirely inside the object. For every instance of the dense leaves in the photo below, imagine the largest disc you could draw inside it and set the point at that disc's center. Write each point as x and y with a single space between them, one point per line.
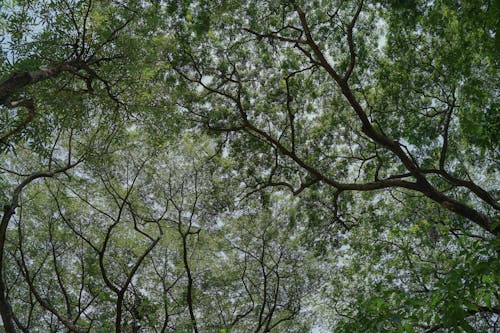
249 166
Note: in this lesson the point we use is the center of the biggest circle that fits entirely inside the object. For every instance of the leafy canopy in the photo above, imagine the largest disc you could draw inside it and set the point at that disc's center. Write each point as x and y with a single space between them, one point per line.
249 166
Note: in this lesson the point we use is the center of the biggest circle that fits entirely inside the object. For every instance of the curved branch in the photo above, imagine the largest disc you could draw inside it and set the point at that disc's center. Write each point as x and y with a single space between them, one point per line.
43 302
350 42
422 185
8 211
28 104
19 80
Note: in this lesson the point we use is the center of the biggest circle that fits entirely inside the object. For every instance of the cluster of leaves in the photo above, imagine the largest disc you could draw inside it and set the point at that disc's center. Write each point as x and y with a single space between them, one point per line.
249 166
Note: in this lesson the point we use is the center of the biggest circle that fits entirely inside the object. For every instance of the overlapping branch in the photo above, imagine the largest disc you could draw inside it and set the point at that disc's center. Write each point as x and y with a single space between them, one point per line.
421 183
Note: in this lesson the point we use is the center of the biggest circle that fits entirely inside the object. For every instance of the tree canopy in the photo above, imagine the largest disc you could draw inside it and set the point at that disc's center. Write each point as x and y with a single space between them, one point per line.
249 166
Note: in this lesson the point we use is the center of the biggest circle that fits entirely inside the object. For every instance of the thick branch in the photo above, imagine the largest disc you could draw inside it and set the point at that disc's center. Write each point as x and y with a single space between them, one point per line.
20 80
422 185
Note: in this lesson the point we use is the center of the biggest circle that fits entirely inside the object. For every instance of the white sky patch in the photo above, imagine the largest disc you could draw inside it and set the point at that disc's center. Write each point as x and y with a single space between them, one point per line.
132 128
329 59
381 25
206 80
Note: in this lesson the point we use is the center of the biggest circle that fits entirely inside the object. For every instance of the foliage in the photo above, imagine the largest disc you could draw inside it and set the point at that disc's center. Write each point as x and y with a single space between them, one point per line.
249 166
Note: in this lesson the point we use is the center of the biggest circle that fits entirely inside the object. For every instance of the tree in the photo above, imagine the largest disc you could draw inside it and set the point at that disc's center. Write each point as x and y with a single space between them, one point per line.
67 46
338 104
278 119
249 166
